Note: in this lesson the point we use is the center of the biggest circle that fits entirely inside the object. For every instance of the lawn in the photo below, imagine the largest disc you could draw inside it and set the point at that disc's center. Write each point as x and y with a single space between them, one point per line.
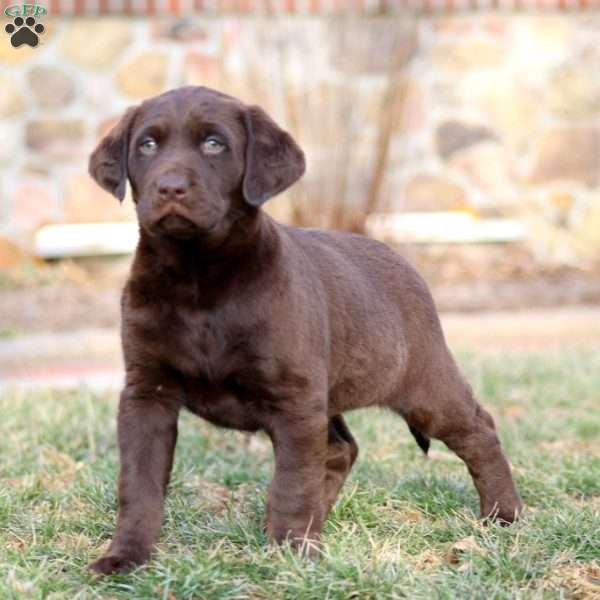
405 527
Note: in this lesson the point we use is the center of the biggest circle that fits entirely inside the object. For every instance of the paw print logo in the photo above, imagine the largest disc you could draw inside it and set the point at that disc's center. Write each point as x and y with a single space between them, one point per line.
24 32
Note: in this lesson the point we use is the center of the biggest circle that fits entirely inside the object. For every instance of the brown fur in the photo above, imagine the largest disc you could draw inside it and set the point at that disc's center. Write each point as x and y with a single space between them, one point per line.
254 325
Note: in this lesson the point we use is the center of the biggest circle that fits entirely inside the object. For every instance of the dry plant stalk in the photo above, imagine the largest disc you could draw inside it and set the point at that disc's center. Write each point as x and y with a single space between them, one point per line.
326 116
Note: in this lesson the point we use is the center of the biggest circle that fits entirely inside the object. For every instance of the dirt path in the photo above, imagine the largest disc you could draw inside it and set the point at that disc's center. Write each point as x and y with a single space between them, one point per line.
537 329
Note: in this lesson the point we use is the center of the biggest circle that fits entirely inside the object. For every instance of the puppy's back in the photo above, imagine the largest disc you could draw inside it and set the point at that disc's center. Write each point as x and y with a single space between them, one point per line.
382 317
369 272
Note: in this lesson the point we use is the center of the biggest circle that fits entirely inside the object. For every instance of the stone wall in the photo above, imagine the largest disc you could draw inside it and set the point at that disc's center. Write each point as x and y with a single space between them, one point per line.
496 114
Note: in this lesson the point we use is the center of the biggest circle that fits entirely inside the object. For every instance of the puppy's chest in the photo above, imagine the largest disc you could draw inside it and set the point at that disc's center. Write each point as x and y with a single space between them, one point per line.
193 341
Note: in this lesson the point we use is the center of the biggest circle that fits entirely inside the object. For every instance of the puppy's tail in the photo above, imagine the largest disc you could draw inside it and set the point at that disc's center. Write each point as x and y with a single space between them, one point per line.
421 439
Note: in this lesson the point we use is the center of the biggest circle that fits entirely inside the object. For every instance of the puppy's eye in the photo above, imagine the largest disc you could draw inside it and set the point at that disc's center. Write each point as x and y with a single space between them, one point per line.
212 145
148 146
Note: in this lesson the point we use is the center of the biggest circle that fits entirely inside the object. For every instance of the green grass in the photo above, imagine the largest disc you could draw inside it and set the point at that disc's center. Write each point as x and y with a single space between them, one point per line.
404 527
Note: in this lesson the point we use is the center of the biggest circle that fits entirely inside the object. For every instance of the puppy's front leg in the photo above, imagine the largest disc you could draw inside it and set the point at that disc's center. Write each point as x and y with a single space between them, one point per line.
295 506
147 431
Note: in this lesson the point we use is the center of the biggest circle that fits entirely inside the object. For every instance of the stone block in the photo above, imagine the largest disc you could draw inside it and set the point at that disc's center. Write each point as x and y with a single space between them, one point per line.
454 136
96 43
570 153
51 86
56 138
144 75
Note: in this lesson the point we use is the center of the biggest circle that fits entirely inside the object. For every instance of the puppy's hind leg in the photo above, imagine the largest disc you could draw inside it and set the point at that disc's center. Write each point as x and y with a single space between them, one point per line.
441 406
342 451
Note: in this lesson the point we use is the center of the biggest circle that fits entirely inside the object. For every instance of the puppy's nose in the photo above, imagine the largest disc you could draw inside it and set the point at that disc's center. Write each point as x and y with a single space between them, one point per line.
173 186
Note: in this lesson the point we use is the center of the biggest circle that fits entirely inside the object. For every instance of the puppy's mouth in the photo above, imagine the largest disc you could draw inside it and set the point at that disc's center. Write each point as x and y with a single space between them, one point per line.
174 221
177 226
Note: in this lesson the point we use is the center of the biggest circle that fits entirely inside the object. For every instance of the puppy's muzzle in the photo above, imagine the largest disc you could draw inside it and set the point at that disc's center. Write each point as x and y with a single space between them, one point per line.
173 187
173 213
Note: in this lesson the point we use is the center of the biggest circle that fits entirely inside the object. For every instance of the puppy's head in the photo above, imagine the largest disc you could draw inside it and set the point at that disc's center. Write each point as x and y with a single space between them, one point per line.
197 160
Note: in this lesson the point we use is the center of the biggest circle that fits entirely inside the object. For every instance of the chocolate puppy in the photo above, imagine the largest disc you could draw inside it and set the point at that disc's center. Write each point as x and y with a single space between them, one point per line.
255 325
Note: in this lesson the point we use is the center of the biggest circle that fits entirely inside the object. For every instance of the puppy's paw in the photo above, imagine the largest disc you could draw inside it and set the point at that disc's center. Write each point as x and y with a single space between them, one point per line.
503 515
110 564
307 545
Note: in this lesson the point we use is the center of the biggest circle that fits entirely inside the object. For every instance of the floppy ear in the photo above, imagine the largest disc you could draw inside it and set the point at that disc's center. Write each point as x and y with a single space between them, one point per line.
273 159
108 162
